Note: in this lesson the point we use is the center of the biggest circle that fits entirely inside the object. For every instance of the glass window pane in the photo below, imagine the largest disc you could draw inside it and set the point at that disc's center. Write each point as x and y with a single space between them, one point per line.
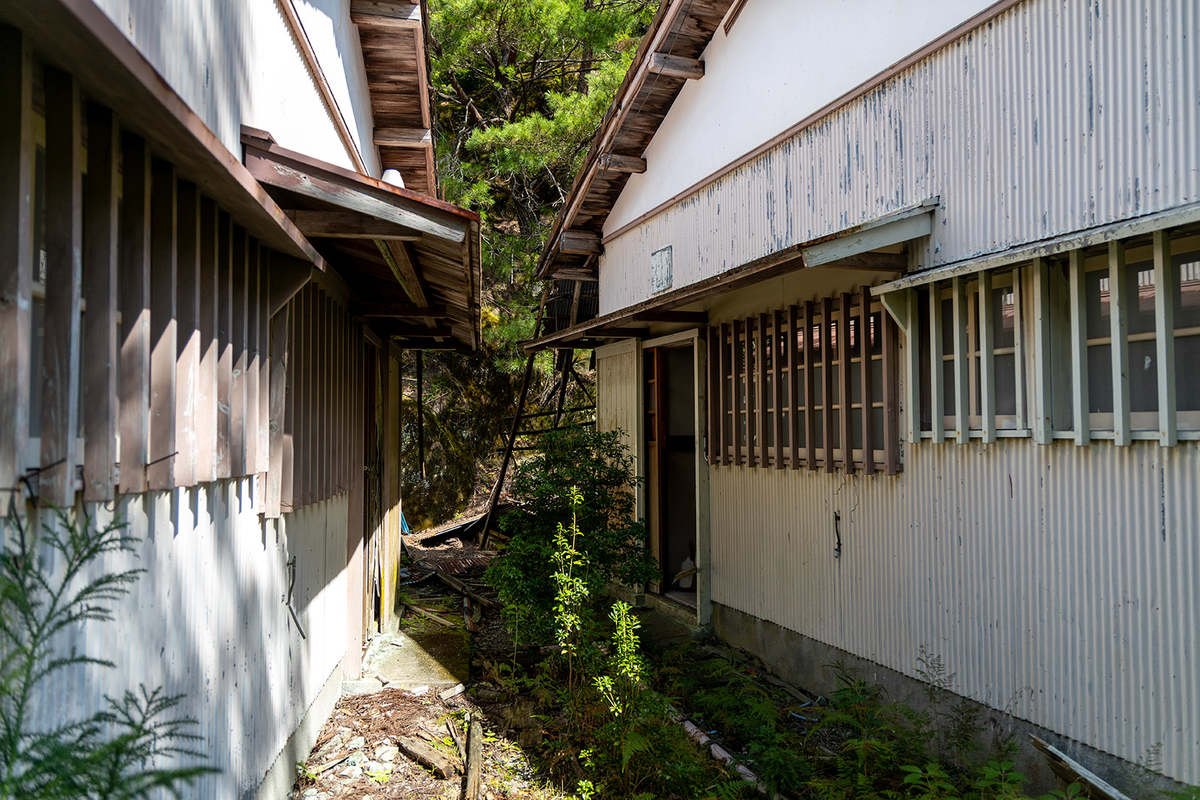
948 327
856 430
1098 325
948 401
1100 387
818 386
877 381
1003 317
856 383
1140 280
876 333
1187 291
877 428
800 429
1004 369
819 429
1143 376
1187 363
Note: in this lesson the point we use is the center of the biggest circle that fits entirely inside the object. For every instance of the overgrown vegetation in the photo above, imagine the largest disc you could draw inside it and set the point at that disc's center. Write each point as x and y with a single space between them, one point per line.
577 477
50 586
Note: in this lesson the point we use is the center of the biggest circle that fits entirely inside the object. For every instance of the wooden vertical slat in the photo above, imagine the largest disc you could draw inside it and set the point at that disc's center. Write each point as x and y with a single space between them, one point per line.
777 385
206 374
1118 295
133 284
225 340
710 349
726 362
937 385
64 275
160 471
16 255
761 390
264 361
338 378
737 392
891 395
100 293
810 421
845 373
301 323
323 387
1019 344
868 393
308 322
827 379
237 387
752 419
987 347
1042 380
1164 338
912 352
187 375
962 388
1079 356
290 356
794 406
251 377
278 411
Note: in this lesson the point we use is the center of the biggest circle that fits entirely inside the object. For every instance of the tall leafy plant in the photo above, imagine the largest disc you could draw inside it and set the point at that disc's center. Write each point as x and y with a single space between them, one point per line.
48 589
597 466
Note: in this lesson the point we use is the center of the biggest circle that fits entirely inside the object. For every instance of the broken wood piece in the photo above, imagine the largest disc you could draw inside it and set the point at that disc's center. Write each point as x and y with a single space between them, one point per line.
687 573
461 588
441 765
1071 771
453 691
474 761
456 736
430 615
328 765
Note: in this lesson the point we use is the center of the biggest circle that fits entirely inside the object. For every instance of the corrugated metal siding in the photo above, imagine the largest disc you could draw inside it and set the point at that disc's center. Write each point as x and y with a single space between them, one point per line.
1060 583
1052 118
236 62
207 620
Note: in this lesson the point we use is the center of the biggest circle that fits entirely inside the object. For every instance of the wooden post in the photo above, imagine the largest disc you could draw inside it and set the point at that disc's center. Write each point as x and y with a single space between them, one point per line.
134 287
724 357
264 369
866 378
290 358
206 376
1079 355
225 336
777 343
739 368
987 347
891 396
912 352
794 406
302 322
710 349
64 276
1042 380
16 256
187 375
962 400
251 376
279 381
237 387
1164 338
1118 295
760 389
827 380
844 391
810 420
160 470
100 292
937 387
323 387
1020 355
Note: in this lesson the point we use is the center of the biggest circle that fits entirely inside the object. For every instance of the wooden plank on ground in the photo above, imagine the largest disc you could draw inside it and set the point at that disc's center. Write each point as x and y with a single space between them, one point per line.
187 374
133 284
64 276
16 255
441 764
100 362
160 469
474 761
206 378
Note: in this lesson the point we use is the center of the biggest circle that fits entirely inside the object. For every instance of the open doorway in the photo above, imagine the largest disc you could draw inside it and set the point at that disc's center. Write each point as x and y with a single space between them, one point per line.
671 474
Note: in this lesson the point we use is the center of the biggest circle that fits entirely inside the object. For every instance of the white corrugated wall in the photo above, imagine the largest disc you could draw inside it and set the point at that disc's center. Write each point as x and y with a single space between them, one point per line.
1059 582
208 620
1054 117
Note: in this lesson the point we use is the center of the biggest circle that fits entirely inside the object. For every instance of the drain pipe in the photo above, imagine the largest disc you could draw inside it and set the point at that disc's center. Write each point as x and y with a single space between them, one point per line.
721 754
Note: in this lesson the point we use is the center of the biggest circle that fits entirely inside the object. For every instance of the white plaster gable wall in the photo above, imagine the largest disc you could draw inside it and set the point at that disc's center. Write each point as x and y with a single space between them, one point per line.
782 61
234 62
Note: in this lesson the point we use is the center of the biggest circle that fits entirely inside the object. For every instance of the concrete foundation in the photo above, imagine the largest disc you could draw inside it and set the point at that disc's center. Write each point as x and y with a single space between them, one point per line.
278 781
803 661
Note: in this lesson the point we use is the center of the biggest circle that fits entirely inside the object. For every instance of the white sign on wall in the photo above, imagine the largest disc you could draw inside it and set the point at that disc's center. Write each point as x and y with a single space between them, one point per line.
660 270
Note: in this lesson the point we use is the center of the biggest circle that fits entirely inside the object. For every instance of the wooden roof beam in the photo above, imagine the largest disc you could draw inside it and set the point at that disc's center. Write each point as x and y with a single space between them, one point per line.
413 331
349 225
403 310
677 66
403 15
400 261
412 138
613 162
582 243
690 317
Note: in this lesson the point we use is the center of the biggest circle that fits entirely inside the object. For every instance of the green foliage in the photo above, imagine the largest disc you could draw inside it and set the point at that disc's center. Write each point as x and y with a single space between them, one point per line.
930 783
598 467
621 687
571 591
48 587
1000 780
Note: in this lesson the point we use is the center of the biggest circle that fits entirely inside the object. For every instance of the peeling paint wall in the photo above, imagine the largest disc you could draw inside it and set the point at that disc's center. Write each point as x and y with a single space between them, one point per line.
1061 583
234 62
1052 118
208 620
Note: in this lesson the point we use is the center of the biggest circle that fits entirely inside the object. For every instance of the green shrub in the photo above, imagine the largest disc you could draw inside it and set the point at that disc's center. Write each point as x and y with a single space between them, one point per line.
613 544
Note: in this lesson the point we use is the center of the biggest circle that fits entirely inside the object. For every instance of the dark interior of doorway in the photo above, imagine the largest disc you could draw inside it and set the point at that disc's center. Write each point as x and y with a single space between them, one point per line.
672 443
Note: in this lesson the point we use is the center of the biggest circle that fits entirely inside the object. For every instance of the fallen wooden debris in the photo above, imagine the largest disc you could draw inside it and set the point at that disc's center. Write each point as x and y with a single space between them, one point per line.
430 615
453 691
461 588
1071 771
441 765
474 761
456 736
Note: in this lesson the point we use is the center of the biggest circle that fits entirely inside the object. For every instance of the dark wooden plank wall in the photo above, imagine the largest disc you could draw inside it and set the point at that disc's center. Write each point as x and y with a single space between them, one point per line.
769 363
157 331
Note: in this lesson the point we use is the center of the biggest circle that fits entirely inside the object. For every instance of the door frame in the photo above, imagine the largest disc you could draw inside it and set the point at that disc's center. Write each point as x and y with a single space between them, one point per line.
703 515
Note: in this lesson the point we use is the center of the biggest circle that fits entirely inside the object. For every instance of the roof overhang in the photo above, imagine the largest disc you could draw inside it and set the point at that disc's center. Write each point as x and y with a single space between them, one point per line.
411 262
851 248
